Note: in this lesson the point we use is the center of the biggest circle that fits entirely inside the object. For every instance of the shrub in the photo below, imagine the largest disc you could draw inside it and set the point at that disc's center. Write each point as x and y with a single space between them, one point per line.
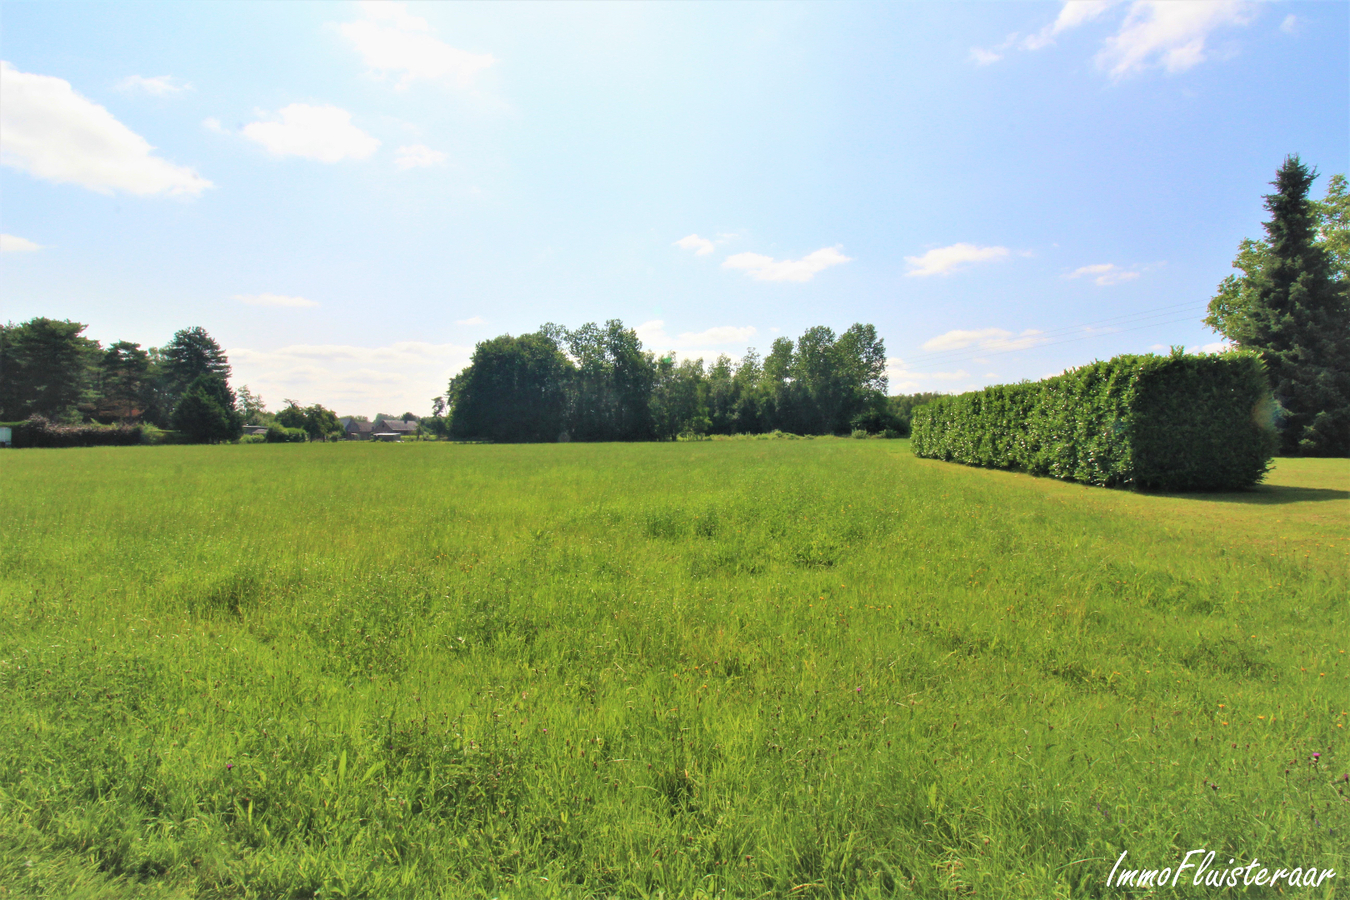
280 434
1170 423
38 432
206 413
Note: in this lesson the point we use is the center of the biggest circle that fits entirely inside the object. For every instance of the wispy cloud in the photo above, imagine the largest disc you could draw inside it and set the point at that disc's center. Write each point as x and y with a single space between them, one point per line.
323 133
991 339
11 244
1104 273
350 379
766 268
945 260
1072 14
51 132
159 86
693 344
901 378
1291 24
701 246
1169 34
393 42
274 300
415 155
476 320
984 57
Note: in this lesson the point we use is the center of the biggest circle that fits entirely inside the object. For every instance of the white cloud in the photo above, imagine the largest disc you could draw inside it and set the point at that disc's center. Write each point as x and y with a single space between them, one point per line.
1168 34
53 133
700 246
992 339
693 344
352 380
765 268
1217 347
396 13
324 133
1072 14
1291 24
391 41
476 320
1106 273
984 57
11 244
274 300
722 334
944 260
159 86
211 123
901 379
415 155
653 334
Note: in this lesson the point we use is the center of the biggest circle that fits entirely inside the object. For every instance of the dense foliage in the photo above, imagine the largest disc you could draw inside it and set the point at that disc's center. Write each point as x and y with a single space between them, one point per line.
1177 423
38 432
597 383
1292 303
206 413
49 369
317 422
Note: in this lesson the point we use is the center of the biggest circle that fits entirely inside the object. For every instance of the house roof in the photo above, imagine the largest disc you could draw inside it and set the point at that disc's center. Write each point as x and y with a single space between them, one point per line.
355 427
397 426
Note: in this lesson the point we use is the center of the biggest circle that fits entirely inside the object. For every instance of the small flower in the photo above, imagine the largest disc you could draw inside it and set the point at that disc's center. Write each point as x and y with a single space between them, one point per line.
1316 756
229 766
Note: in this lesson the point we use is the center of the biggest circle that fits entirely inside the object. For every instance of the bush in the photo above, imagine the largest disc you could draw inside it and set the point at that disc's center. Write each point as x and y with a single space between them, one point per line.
206 413
1170 423
280 434
38 432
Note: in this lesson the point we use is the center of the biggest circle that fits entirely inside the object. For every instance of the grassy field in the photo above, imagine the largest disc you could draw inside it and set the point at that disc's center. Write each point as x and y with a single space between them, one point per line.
719 669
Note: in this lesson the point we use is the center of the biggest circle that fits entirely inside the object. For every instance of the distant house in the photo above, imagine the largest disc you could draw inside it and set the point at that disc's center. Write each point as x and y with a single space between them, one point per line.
384 428
255 429
357 431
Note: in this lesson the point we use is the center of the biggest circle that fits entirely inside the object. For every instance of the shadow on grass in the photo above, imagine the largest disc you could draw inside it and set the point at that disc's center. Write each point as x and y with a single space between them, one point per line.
1268 495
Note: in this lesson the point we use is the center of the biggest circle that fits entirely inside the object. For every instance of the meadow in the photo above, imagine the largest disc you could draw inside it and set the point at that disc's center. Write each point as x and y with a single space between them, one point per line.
742 668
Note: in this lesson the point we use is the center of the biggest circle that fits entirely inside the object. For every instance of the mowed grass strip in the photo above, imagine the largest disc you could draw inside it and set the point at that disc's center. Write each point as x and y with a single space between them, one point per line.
732 668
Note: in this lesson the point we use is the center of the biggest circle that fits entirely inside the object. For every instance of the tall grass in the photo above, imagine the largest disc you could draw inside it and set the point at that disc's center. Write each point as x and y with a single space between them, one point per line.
755 668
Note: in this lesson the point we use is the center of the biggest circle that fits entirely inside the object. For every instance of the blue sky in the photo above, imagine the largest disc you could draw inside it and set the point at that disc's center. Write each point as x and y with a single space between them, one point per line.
348 196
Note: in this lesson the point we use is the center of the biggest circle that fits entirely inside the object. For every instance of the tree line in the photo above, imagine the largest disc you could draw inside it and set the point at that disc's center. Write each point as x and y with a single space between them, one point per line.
597 383
50 370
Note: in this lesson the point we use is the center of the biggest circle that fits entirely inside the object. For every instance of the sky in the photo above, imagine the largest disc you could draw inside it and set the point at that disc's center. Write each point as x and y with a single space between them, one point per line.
349 196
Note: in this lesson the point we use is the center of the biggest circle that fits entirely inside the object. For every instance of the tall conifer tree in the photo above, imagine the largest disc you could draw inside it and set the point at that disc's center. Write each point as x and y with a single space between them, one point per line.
1290 306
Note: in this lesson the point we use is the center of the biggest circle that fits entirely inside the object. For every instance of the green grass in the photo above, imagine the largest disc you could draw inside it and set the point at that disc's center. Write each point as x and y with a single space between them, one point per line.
729 668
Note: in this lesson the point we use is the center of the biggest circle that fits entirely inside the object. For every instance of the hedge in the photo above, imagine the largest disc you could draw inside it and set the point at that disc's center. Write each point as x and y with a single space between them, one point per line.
1166 423
38 432
280 434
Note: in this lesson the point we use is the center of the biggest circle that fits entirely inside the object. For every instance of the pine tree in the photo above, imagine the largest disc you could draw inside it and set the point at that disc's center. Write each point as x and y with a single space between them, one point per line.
1289 305
206 413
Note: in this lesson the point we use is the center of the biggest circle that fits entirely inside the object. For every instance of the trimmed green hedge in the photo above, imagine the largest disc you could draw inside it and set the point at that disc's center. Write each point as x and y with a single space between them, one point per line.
1166 423
38 432
280 434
